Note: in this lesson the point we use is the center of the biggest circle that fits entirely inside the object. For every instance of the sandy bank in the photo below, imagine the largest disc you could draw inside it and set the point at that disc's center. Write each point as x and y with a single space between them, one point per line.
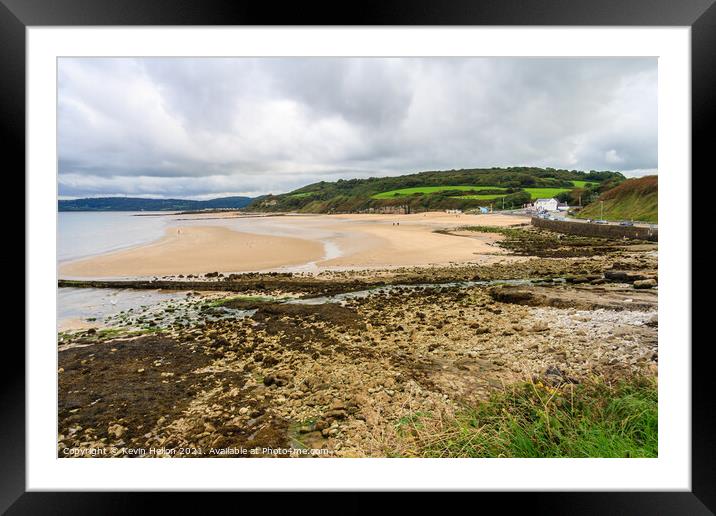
199 249
328 242
408 240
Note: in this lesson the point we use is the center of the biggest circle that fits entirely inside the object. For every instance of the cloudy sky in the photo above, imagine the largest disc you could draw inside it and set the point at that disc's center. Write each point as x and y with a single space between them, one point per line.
203 128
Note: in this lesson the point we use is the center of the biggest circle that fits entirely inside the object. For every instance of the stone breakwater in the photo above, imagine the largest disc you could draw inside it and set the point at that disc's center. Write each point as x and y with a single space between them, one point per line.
597 230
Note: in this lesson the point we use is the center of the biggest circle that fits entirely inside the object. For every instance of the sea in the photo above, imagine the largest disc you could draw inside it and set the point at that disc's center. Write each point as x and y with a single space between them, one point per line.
89 233
85 234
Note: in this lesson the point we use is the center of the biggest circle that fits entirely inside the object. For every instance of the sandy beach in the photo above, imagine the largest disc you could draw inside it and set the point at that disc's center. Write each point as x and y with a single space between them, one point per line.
187 250
321 242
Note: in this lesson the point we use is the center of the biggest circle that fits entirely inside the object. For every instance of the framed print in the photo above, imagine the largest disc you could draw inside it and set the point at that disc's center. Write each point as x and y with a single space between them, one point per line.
420 252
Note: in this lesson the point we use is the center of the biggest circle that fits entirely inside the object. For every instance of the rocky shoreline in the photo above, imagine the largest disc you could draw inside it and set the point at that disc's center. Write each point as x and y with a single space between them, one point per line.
277 374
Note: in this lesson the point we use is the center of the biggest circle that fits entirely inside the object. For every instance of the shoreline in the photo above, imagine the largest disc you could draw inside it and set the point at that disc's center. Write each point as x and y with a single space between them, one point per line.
186 250
339 377
329 361
329 242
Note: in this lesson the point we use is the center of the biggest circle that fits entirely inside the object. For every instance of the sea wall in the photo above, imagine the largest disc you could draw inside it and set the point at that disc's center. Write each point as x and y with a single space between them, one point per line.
597 230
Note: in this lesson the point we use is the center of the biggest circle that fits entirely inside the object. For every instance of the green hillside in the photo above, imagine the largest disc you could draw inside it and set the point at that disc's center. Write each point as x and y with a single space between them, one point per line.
535 193
432 189
436 190
142 204
634 199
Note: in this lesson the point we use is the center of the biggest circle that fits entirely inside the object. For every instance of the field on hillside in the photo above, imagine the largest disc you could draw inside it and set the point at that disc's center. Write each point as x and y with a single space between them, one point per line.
542 193
481 197
302 194
431 189
535 193
583 184
436 190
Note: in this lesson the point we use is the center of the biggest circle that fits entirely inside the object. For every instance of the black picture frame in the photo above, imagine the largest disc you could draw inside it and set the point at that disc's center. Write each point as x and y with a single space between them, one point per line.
17 15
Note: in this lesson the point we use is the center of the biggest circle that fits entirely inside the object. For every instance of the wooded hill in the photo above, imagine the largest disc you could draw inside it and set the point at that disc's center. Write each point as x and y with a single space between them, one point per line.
142 204
508 187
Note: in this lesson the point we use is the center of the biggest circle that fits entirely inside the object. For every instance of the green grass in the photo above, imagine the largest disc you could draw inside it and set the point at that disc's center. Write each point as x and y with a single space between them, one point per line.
294 431
583 184
226 300
482 197
592 419
302 194
630 206
577 183
633 199
430 189
545 193
411 421
535 193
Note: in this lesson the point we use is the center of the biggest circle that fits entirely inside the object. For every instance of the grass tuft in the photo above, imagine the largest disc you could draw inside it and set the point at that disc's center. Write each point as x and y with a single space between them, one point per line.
593 419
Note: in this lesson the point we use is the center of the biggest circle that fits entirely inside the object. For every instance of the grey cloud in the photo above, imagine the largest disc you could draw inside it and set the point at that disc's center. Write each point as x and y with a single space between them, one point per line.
204 126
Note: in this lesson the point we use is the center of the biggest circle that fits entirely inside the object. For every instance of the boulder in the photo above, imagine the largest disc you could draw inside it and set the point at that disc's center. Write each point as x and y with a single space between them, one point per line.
644 284
280 380
622 276
508 295
578 279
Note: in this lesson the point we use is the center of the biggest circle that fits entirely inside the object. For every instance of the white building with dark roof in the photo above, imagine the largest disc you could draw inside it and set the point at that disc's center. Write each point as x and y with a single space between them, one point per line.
546 204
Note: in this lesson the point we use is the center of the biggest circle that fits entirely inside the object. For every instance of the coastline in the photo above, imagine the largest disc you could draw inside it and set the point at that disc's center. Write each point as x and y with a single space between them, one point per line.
348 363
186 250
331 242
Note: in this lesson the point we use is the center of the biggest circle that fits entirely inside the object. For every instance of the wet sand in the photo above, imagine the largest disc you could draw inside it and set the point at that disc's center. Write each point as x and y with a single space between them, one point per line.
413 241
329 242
187 250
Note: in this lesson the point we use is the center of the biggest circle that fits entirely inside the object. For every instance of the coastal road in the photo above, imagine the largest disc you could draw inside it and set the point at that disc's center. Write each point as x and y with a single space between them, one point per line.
611 223
558 216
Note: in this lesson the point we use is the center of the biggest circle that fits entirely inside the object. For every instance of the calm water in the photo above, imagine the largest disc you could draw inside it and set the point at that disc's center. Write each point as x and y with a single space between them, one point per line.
88 233
95 305
81 234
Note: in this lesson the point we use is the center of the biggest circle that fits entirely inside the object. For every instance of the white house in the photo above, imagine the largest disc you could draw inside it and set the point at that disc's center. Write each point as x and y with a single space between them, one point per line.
546 204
